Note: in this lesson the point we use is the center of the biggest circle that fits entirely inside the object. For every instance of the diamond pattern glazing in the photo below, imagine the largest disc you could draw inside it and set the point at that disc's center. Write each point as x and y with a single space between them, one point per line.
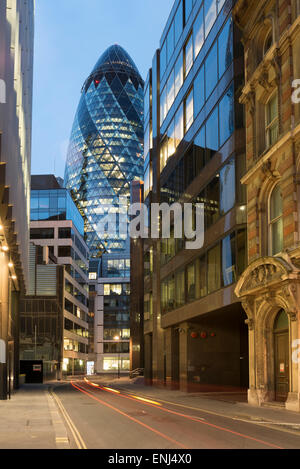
106 145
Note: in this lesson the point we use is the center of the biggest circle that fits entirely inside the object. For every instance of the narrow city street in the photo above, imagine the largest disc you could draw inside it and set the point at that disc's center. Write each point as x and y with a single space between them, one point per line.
106 417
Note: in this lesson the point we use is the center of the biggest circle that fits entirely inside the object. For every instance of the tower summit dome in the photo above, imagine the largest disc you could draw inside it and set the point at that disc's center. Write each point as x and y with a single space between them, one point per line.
115 60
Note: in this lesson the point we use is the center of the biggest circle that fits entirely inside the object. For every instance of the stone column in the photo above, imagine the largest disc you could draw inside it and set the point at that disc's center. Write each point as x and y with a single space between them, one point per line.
183 356
293 400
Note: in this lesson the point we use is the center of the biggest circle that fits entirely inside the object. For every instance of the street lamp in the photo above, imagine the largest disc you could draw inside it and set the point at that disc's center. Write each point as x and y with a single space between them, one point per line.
117 340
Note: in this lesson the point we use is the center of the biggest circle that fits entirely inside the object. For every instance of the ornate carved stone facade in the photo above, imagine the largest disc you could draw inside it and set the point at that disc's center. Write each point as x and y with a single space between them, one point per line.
271 283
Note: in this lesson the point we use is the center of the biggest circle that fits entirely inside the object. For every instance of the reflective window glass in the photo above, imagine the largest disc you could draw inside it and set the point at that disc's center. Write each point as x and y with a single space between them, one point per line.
214 269
210 14
191 283
180 288
188 56
211 70
212 132
178 73
227 187
171 139
163 59
199 92
179 126
228 260
170 91
188 9
199 149
198 33
170 43
178 23
225 42
226 113
189 111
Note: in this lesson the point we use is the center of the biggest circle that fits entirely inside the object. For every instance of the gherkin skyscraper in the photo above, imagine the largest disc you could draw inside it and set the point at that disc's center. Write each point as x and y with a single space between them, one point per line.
105 155
106 145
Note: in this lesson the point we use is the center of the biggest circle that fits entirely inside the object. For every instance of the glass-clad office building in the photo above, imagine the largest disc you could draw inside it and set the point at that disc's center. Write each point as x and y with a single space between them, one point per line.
195 336
105 155
106 146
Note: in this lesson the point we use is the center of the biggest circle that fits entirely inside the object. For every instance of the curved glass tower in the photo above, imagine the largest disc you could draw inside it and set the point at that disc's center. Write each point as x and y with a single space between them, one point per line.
106 146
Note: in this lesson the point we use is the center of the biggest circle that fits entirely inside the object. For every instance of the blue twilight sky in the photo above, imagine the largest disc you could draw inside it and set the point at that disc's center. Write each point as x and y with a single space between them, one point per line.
70 36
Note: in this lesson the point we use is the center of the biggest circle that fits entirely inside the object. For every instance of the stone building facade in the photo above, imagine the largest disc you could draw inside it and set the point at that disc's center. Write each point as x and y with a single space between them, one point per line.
270 286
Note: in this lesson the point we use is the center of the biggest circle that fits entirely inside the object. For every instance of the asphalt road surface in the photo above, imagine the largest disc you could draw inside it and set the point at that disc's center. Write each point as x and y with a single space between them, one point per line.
105 418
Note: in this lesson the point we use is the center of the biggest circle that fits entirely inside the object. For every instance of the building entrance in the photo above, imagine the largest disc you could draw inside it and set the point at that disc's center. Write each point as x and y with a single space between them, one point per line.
281 347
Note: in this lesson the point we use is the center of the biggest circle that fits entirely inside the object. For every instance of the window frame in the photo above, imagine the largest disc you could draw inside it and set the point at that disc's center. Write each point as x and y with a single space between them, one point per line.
270 124
272 222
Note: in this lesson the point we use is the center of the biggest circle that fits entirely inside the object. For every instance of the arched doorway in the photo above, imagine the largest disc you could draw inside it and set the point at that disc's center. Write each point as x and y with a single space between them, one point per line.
282 359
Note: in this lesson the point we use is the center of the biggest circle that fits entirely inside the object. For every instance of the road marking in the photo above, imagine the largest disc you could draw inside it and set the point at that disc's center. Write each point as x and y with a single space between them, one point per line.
200 420
162 435
76 435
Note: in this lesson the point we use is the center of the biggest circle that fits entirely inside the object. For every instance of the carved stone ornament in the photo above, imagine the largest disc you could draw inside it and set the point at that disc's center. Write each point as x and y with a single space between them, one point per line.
262 273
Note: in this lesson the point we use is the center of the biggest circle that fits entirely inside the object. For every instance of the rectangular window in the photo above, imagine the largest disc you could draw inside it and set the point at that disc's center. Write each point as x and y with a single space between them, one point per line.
188 9
189 111
212 133
201 274
147 141
211 70
178 23
163 153
198 33
170 91
163 105
42 233
178 73
226 108
179 126
180 289
227 187
170 43
228 260
272 122
64 251
163 59
64 233
188 56
210 14
199 92
225 43
212 205
171 139
191 283
199 149
214 269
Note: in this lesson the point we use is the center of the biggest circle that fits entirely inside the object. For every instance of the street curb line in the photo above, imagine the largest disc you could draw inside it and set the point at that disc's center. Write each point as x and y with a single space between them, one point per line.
61 435
75 433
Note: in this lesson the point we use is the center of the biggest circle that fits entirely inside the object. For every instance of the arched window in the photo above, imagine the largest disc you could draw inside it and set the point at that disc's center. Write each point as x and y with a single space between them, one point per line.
281 321
275 222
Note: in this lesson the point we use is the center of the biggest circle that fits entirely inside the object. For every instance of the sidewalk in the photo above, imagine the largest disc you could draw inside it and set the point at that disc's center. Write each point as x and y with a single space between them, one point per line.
227 405
30 420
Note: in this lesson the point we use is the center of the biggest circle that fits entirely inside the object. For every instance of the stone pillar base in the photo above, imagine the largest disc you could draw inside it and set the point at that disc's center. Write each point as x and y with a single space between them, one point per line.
253 398
256 397
293 402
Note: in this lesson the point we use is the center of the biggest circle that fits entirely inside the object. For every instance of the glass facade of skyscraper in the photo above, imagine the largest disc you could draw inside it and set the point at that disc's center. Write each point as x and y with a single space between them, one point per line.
106 147
105 155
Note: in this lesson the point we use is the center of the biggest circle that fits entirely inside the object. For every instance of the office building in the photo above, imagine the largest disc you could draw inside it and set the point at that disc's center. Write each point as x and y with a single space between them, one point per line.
57 226
195 332
269 287
16 70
